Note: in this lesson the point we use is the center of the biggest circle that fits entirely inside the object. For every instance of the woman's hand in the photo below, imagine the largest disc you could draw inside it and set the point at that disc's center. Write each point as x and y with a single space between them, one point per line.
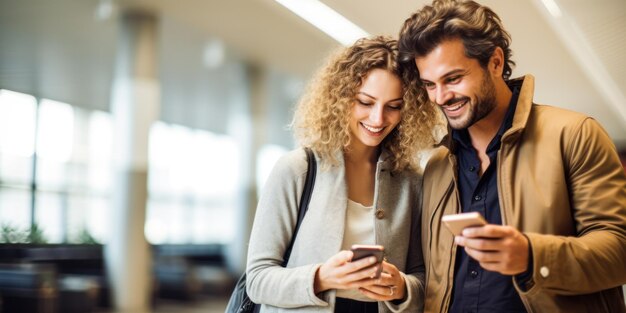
339 273
390 285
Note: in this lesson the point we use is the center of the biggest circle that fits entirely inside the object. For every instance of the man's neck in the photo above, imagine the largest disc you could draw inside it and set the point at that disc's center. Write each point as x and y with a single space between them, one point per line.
483 131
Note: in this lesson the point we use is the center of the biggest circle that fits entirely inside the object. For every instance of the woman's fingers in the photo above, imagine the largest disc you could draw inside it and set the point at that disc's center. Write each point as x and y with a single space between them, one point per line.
338 272
389 286
342 257
361 278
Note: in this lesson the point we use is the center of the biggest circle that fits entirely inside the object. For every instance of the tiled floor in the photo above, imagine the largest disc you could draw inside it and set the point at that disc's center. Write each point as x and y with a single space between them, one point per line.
204 305
208 305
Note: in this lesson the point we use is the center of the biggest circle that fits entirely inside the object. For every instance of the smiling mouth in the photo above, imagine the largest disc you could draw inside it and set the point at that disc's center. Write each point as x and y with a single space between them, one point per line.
373 129
455 107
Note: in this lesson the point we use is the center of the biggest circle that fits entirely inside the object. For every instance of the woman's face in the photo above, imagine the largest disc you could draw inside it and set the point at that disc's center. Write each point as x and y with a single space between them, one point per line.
376 109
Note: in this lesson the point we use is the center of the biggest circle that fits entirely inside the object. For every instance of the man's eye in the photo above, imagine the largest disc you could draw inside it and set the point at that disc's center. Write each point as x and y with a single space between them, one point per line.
454 79
428 85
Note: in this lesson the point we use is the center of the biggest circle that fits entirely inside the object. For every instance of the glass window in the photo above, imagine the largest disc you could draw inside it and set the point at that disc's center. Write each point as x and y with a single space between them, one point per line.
50 215
17 137
192 184
15 208
267 157
74 172
72 176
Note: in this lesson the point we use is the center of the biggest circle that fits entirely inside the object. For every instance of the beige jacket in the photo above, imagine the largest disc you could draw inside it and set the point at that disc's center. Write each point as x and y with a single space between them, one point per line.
560 182
396 224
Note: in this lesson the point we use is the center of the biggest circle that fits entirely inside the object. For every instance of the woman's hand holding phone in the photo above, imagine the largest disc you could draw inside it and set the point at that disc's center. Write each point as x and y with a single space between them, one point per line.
362 268
338 272
389 286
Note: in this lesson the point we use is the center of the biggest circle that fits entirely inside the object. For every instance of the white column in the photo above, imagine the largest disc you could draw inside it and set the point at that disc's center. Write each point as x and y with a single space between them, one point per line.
135 106
248 125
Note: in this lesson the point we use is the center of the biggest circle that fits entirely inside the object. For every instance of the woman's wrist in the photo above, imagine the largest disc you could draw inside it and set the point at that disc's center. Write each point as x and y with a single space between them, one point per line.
403 290
318 285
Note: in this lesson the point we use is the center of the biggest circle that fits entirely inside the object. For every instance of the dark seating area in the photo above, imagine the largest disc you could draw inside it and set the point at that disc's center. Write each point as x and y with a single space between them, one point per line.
72 278
187 271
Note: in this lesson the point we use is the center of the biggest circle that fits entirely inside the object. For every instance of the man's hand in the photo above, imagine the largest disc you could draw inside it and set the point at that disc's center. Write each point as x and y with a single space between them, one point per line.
497 248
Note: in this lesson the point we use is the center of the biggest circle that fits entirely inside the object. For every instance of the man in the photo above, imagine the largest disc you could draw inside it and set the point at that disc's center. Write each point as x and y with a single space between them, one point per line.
548 181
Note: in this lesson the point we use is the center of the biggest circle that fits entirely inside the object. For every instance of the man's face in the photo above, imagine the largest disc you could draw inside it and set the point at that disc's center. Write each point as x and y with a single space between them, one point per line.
459 85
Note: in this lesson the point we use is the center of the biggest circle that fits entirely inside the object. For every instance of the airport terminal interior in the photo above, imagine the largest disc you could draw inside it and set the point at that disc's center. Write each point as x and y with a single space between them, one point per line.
136 135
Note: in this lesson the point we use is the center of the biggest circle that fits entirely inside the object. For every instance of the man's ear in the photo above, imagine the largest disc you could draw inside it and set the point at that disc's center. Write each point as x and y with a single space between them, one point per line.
496 62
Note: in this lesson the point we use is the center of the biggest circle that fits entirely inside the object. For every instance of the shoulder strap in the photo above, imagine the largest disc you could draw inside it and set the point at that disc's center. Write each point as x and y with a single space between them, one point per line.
305 198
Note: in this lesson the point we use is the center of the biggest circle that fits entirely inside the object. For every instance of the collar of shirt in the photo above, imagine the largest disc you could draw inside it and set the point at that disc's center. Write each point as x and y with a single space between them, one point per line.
462 138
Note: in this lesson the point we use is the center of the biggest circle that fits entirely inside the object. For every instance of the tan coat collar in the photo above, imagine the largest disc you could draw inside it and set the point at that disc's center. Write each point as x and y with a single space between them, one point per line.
522 112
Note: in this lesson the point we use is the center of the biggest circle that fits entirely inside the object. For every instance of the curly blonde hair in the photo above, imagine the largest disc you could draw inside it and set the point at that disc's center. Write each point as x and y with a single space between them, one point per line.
323 113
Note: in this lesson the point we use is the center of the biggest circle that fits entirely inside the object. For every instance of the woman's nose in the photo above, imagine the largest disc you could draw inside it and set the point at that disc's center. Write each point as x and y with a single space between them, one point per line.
377 114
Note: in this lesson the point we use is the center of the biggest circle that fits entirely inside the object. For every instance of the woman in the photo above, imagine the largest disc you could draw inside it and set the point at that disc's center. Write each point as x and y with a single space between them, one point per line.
365 128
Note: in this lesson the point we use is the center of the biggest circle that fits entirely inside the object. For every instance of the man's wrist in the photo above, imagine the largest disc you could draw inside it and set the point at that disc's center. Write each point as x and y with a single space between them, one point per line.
525 279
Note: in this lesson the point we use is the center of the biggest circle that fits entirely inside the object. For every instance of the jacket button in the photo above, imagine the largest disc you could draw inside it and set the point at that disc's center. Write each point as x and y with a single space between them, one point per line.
544 271
473 274
380 214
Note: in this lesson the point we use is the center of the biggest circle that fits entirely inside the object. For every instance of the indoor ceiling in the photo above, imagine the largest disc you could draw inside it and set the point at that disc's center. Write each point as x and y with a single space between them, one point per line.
576 58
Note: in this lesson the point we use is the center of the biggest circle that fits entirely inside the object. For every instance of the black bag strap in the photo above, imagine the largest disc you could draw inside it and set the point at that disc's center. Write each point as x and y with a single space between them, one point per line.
305 198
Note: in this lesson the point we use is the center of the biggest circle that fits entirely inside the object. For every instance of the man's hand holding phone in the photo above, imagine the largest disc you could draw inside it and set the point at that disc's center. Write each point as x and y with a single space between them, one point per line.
497 248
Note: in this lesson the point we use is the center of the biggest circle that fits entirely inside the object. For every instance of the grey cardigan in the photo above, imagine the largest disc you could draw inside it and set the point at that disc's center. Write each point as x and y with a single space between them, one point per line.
397 201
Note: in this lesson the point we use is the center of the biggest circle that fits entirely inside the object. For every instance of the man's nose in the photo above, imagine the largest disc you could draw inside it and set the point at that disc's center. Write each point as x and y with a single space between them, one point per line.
442 95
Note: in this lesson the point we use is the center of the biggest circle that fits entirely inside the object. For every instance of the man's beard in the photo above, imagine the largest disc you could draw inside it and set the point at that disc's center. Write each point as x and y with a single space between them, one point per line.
478 108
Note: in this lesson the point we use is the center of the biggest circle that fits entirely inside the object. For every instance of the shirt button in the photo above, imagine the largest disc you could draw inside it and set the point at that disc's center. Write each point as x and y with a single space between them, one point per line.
544 271
472 168
477 198
380 214
473 274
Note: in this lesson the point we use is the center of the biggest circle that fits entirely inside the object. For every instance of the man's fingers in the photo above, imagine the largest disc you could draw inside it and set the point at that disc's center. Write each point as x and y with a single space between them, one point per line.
479 243
488 231
483 256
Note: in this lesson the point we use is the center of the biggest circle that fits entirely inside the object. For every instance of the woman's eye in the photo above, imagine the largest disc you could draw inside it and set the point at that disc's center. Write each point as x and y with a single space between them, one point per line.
395 107
363 102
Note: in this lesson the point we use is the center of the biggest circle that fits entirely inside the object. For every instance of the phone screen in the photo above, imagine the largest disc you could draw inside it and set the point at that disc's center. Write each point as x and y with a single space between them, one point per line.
457 222
363 251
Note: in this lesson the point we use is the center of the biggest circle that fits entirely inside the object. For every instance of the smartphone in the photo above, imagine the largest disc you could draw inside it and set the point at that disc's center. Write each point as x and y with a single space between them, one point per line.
457 222
362 251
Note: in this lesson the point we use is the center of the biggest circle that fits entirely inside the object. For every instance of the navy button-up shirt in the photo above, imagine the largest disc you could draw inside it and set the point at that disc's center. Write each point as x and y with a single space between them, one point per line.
476 289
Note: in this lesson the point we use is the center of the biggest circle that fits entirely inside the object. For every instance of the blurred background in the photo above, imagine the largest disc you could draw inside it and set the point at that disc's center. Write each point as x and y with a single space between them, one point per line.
135 136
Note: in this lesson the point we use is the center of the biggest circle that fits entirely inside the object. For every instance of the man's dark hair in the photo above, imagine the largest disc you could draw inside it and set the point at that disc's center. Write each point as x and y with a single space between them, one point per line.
478 27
